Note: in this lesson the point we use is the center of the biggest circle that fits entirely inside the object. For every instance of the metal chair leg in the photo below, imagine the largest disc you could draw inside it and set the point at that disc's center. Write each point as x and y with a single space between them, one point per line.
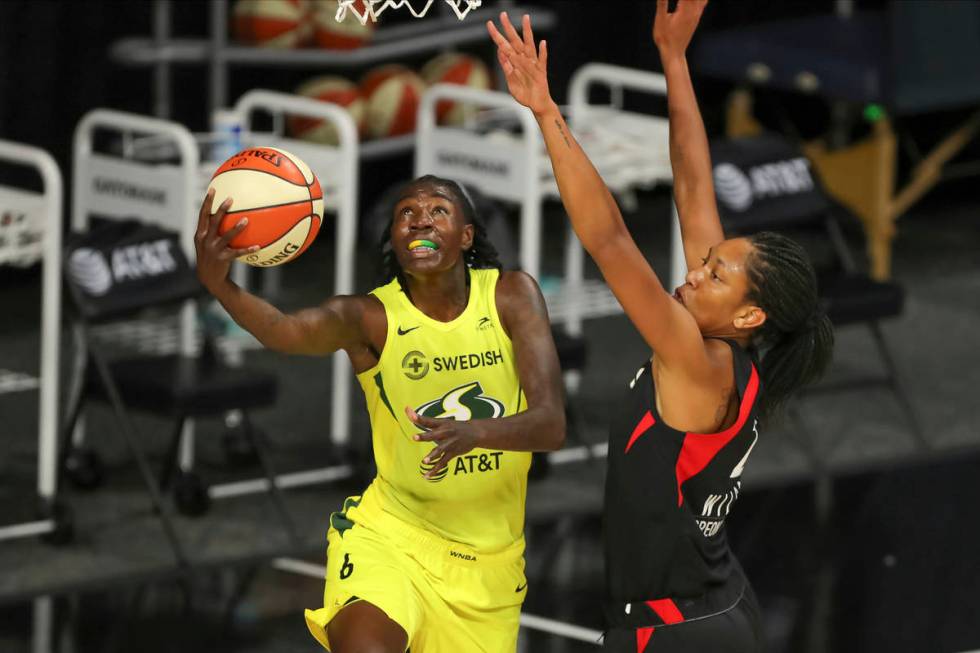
173 452
275 492
898 387
67 444
128 431
74 408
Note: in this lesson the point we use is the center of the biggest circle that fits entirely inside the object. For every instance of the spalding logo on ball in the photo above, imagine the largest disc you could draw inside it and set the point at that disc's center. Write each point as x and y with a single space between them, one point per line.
280 196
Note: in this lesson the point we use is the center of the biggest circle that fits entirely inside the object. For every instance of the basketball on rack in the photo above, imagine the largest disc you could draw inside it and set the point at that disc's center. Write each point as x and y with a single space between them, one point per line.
346 34
376 76
392 93
280 196
335 90
455 68
272 23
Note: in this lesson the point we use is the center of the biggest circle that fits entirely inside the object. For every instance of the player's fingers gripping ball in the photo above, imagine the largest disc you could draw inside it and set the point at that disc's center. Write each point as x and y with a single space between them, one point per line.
280 196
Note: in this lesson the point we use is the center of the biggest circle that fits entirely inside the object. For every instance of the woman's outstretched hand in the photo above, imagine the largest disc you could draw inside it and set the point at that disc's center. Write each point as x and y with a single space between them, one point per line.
525 67
672 32
214 252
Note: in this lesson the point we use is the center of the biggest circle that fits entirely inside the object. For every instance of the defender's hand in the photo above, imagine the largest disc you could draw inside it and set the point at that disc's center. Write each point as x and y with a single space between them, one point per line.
672 32
452 439
524 66
214 255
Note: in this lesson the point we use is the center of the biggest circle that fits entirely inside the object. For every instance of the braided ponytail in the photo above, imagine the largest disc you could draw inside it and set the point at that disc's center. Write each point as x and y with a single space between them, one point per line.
796 341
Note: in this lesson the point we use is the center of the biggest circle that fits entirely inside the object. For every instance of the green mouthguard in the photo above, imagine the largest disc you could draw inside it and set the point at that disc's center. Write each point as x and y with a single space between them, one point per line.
422 243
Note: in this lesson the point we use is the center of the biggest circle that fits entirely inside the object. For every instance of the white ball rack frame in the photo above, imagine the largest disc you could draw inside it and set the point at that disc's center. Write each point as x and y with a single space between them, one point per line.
121 186
39 217
337 168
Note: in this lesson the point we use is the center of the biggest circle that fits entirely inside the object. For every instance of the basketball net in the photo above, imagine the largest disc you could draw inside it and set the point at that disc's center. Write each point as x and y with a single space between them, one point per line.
373 8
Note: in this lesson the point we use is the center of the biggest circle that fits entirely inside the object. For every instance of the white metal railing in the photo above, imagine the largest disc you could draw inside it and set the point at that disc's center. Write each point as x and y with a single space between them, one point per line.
51 208
337 167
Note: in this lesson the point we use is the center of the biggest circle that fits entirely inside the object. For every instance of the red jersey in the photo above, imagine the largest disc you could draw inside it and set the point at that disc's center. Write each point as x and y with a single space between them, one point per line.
668 493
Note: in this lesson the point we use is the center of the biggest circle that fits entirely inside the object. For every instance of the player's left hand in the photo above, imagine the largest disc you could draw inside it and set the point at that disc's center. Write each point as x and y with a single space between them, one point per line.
452 439
525 66
672 32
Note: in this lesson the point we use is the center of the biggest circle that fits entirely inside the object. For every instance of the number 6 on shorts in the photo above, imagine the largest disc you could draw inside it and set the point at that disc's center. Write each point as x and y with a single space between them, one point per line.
347 568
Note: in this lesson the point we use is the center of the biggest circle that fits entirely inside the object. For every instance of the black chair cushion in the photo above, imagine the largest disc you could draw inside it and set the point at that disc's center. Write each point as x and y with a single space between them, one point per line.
120 268
178 385
852 298
765 182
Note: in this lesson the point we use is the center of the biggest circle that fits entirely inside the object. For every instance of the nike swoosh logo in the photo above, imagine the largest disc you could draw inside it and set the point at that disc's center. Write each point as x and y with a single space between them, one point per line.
520 588
402 332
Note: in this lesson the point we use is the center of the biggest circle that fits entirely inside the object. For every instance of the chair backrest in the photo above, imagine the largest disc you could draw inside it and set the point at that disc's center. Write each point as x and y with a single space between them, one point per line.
765 182
119 268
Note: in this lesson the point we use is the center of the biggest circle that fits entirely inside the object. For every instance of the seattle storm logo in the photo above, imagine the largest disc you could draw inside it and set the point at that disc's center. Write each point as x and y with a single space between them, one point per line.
462 404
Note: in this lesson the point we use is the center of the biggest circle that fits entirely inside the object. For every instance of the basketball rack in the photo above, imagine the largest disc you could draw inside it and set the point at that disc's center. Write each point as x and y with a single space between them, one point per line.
337 169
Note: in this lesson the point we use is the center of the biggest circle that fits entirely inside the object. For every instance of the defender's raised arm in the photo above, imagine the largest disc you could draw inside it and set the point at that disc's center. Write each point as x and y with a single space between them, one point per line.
690 159
662 321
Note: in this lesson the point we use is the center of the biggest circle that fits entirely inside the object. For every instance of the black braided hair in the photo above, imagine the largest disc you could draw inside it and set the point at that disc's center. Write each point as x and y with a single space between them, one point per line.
797 339
482 254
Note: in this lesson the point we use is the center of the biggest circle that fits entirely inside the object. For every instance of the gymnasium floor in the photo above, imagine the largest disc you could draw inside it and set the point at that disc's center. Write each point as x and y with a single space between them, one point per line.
882 496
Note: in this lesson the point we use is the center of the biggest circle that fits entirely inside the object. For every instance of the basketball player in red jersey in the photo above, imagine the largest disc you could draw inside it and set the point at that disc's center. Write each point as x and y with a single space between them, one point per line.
692 413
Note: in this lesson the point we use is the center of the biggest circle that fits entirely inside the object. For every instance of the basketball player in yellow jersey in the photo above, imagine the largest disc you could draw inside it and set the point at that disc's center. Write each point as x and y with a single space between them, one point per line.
461 380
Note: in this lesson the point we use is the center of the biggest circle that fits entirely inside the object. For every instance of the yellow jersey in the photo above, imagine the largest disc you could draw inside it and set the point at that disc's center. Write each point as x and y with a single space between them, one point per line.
463 369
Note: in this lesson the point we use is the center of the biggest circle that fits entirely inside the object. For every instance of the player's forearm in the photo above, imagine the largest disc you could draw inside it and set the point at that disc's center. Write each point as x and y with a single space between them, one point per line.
268 324
690 158
541 428
593 212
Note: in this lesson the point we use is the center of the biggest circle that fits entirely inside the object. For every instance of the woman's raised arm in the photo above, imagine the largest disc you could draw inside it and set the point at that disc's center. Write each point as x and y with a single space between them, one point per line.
690 159
664 324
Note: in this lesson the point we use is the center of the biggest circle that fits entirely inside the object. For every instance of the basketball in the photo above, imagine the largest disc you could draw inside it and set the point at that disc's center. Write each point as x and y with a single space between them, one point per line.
347 34
335 90
271 23
455 68
280 196
392 101
376 76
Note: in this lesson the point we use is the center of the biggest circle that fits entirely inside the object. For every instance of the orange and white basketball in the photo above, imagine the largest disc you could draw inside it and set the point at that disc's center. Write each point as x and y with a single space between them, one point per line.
272 23
374 77
335 90
348 34
280 196
454 68
392 101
